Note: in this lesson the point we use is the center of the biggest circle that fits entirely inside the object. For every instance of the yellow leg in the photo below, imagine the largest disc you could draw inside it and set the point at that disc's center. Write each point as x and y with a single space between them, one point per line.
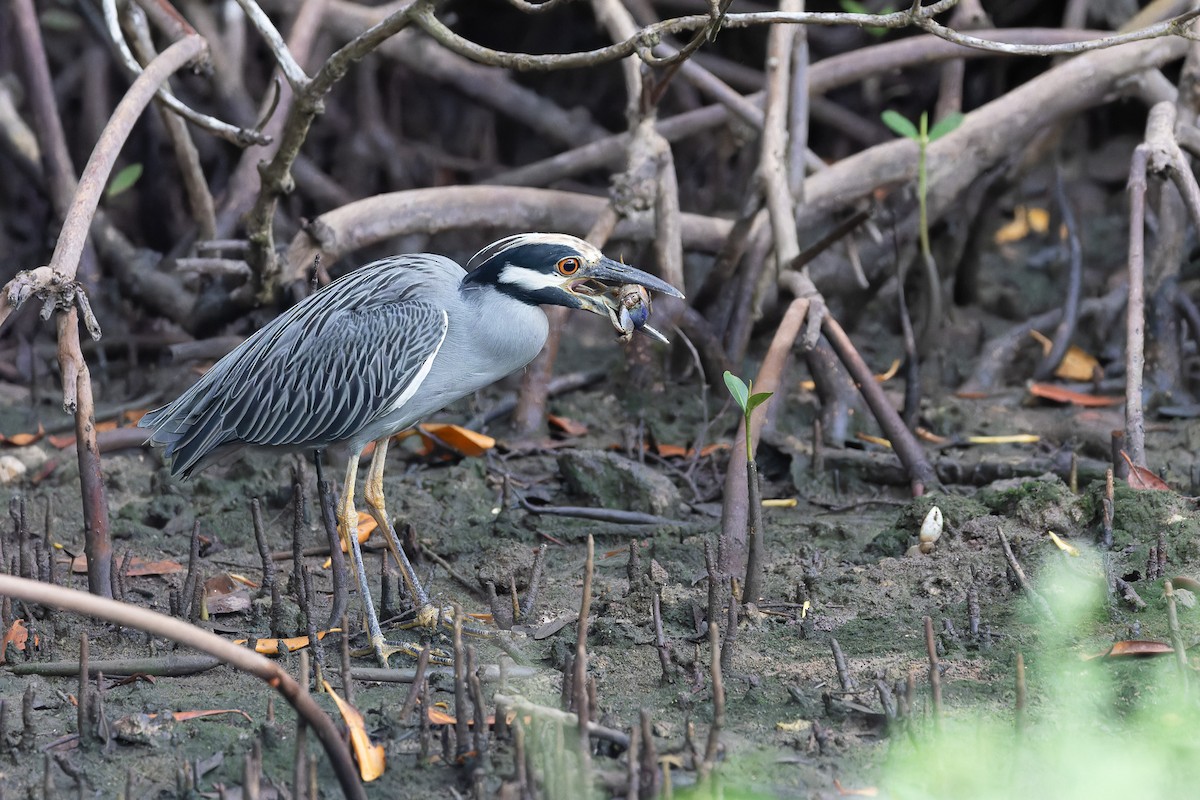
427 615
348 531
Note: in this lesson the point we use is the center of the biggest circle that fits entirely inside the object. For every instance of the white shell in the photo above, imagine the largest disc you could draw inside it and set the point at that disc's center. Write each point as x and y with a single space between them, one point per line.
931 530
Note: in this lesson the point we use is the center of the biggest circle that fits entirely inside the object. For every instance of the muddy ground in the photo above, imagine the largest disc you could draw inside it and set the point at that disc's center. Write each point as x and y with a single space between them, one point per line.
838 566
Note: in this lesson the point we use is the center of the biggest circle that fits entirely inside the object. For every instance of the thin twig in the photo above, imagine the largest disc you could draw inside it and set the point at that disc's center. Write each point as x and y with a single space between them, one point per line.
1038 601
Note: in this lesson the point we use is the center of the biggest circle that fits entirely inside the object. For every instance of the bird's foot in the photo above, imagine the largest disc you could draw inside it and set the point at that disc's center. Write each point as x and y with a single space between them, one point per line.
431 617
384 650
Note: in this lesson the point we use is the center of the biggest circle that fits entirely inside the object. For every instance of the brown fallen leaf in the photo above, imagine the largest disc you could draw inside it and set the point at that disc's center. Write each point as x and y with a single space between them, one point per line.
1077 364
23 439
224 594
138 567
566 425
675 451
1135 648
184 716
370 756
1142 478
1058 394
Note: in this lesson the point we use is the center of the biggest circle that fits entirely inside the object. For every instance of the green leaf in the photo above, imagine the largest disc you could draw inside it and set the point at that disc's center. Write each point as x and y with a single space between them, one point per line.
853 7
737 388
900 124
124 180
757 400
945 125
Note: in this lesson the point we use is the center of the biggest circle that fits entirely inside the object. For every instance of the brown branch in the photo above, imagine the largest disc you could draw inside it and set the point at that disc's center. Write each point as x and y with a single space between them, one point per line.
1135 309
176 630
641 43
920 471
231 133
373 219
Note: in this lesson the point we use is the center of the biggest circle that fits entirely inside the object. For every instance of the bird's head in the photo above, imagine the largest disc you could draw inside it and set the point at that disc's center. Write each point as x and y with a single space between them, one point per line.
556 269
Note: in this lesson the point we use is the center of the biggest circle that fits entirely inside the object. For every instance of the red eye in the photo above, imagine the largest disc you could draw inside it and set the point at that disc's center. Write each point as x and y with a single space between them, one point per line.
568 265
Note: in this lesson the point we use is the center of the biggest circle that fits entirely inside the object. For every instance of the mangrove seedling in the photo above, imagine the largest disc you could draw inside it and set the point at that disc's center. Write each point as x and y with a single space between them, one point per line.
747 401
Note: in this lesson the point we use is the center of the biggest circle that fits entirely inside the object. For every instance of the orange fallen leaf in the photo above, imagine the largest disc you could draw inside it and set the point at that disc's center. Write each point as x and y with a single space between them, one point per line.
455 437
869 439
1135 648
1142 478
1077 364
135 416
184 716
566 425
1026 220
366 526
138 567
270 647
18 634
677 451
23 439
929 436
61 441
370 757
1049 391
870 791
437 716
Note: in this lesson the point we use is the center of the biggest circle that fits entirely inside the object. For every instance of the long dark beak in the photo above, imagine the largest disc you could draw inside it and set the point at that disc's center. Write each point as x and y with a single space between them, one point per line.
615 273
612 275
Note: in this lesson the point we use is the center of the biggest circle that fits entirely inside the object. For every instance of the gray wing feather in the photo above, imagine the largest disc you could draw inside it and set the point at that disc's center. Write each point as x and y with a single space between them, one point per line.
317 374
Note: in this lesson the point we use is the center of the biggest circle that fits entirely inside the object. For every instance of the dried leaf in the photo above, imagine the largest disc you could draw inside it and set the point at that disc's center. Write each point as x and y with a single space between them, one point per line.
870 791
459 439
566 425
271 647
18 634
184 716
370 757
1025 221
869 439
1142 478
1077 364
1135 648
23 439
1012 438
1063 545
137 567
782 502
1049 391
927 435
223 594
677 451
795 726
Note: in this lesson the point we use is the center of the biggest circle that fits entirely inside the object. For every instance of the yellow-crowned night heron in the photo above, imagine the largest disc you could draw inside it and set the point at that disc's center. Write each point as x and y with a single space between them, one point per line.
379 349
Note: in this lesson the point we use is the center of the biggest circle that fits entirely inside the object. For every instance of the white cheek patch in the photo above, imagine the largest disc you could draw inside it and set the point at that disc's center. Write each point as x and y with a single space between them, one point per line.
529 279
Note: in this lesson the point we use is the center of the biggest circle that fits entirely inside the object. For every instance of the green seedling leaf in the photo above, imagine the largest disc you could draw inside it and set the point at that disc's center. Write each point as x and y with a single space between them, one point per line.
124 180
737 388
757 400
900 124
945 125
